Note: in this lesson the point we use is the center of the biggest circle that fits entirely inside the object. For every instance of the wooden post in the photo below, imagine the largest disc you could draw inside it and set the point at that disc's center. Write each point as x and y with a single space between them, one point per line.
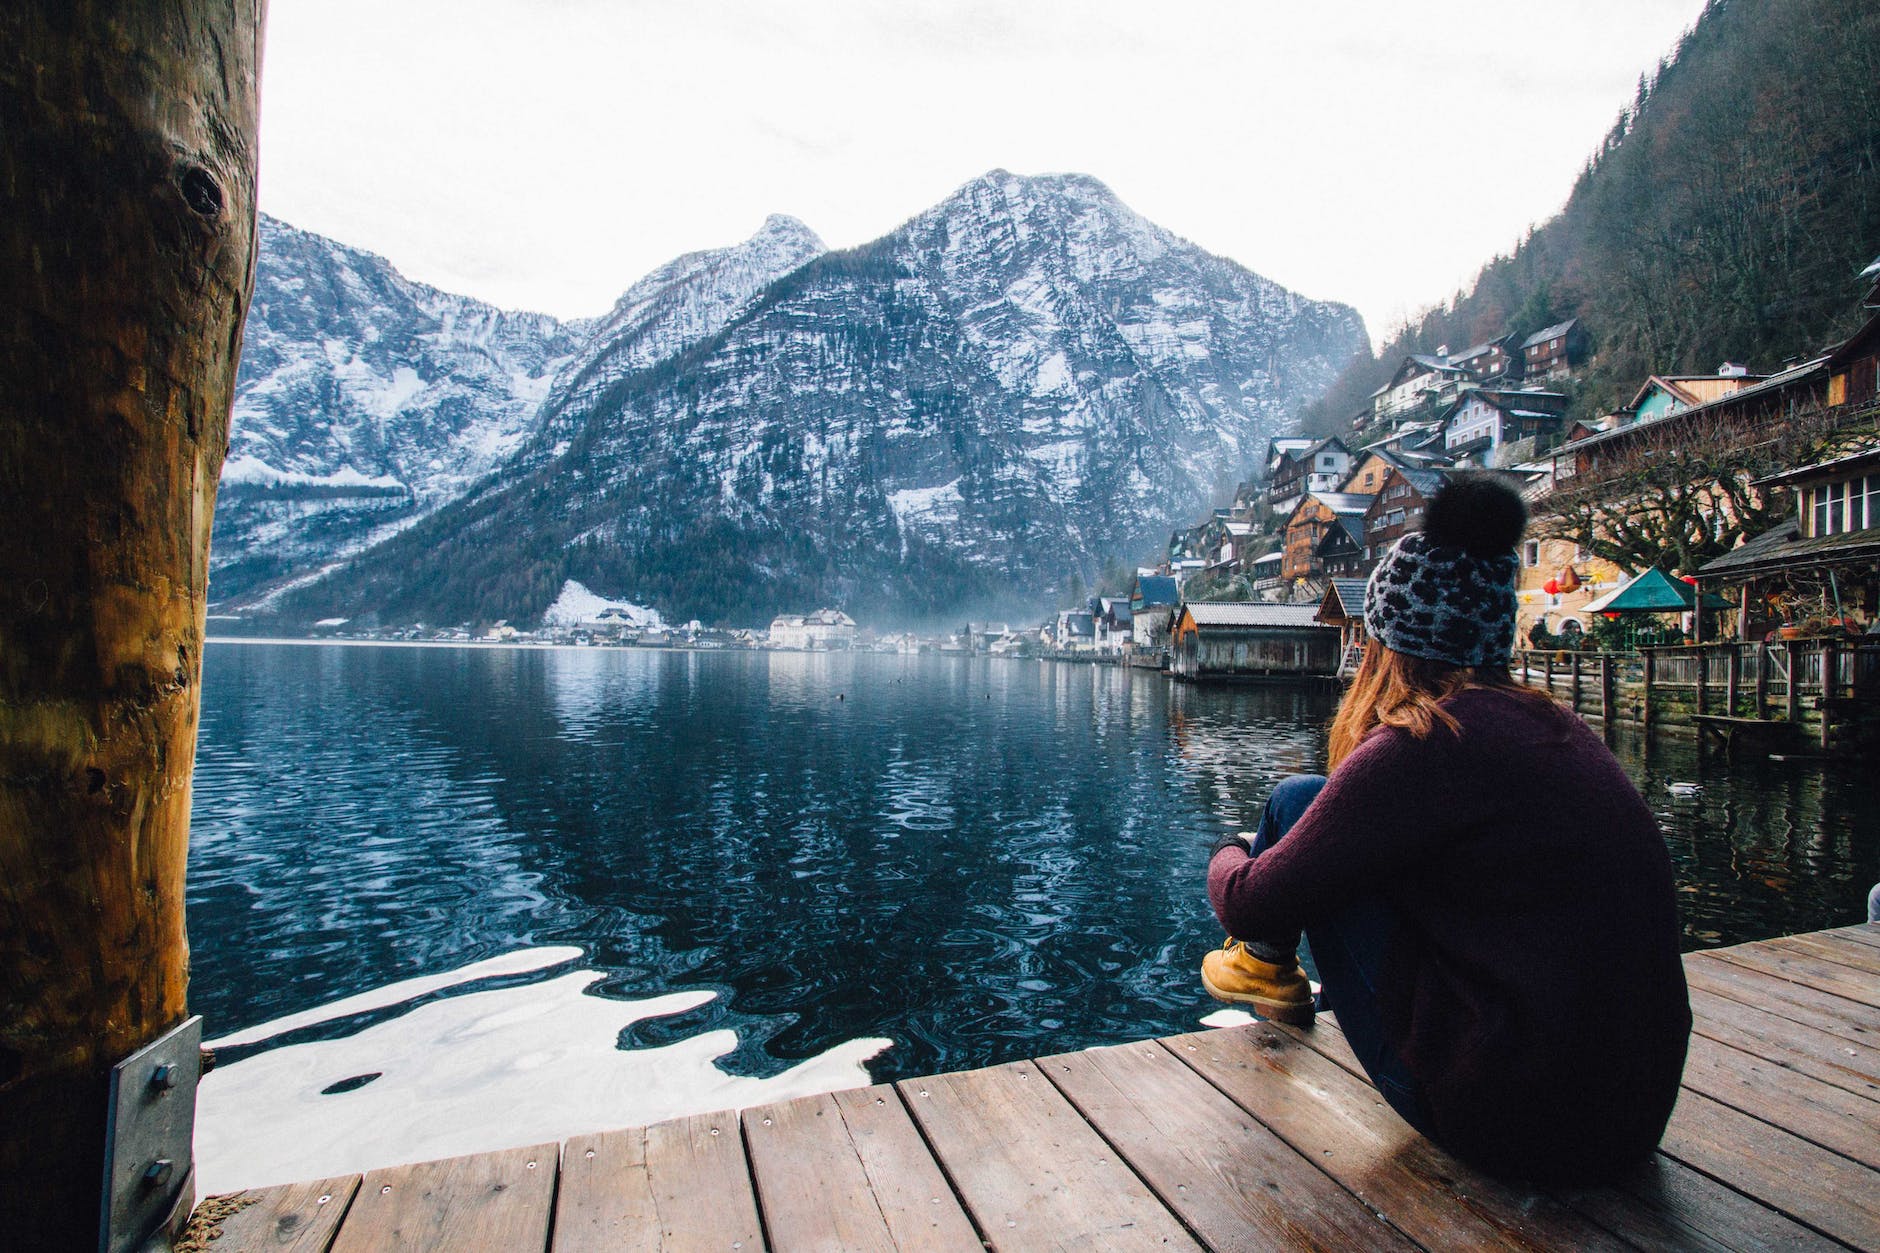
1830 687
1550 671
1703 678
1792 699
1762 679
1605 692
1645 711
127 258
1574 682
1732 678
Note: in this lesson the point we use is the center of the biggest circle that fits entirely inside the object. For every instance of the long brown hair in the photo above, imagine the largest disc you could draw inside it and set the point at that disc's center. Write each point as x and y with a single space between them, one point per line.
1394 689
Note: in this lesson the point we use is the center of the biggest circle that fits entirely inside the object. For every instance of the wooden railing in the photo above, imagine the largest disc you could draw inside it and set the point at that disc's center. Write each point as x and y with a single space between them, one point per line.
1789 680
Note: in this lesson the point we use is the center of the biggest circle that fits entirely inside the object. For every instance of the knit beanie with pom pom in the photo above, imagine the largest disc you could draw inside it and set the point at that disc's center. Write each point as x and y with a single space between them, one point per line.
1446 593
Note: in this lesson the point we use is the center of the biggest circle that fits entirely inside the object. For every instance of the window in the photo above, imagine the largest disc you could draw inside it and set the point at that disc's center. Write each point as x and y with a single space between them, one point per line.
1325 463
1531 554
1863 503
1830 509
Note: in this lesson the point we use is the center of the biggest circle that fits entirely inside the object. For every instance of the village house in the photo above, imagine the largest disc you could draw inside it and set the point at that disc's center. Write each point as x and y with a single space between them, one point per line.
1397 509
1368 472
1250 641
1821 568
1343 607
1495 426
1552 353
1307 525
1555 582
824 630
1421 380
1318 468
1761 400
1341 554
1151 605
1491 360
1662 394
1113 624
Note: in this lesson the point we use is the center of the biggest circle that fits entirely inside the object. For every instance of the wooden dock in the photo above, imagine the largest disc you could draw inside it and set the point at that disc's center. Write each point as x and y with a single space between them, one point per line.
1257 1137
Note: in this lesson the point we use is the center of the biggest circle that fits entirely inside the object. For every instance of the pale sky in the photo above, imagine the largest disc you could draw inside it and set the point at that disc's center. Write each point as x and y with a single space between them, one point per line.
543 154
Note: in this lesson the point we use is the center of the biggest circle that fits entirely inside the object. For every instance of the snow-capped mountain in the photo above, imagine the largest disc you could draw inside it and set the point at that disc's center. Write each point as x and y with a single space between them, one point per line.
674 307
364 401
1014 386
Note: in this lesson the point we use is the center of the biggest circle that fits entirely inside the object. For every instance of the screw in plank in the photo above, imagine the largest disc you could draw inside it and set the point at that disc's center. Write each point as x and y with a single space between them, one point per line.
163 1078
158 1172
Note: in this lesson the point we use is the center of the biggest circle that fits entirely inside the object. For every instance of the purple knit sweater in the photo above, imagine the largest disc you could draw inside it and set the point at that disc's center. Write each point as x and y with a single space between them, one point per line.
1533 987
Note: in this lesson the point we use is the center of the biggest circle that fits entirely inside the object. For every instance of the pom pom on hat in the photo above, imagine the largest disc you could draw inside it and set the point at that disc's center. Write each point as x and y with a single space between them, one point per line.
1477 513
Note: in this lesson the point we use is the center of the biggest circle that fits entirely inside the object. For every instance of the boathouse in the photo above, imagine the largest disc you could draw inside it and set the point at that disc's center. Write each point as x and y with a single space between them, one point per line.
1242 640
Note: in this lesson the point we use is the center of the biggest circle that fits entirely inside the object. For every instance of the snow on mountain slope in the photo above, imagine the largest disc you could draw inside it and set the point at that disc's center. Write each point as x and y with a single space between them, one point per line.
1020 383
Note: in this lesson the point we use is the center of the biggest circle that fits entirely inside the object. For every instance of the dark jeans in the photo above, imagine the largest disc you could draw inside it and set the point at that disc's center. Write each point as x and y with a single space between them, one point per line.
1348 949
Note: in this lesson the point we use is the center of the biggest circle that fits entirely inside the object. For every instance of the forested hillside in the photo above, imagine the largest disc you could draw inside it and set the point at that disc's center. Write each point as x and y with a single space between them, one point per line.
1724 217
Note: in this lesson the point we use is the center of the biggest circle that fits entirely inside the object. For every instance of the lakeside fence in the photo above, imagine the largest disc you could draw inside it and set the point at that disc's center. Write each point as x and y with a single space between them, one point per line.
1823 686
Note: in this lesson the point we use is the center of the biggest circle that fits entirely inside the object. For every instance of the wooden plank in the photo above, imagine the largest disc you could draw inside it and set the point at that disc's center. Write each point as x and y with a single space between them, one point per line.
675 1185
1794 1046
1805 1181
1867 933
1665 1204
1032 1172
486 1201
850 1171
295 1218
1816 1111
1862 957
1820 1010
1342 1126
1813 972
1236 1184
1662 1205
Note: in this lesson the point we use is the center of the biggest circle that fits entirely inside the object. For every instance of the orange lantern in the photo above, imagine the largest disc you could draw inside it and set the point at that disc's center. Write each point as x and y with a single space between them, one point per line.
1569 580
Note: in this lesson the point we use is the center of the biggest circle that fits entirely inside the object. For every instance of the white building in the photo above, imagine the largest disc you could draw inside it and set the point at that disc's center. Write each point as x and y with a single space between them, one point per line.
824 630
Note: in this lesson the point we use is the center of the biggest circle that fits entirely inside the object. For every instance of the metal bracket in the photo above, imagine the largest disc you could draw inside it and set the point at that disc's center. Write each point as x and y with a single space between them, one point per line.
149 1136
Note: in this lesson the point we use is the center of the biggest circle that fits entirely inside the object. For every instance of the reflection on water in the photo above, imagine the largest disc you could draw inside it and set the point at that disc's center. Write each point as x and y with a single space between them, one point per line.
766 860
524 1064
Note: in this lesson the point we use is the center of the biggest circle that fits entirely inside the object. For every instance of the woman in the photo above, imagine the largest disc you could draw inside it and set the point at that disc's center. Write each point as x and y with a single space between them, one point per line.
1488 900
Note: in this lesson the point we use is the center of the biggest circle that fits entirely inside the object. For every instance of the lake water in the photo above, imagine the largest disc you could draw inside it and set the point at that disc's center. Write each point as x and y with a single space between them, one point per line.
684 881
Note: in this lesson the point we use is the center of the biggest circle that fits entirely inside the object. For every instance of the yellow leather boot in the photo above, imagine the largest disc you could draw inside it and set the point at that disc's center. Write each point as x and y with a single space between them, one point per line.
1279 992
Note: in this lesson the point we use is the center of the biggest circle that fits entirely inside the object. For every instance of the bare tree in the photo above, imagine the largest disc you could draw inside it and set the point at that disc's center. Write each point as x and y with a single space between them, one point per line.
127 153
1683 492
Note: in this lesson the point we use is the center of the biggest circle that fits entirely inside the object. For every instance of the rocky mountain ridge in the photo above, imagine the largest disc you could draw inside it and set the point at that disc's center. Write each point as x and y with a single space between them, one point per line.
1004 392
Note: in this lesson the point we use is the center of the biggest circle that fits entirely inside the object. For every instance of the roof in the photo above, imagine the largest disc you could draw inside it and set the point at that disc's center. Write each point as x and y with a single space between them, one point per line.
1856 460
1156 589
1774 383
1785 547
1251 614
1268 558
1350 598
1342 502
1667 383
1652 592
1350 526
1542 336
1426 482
